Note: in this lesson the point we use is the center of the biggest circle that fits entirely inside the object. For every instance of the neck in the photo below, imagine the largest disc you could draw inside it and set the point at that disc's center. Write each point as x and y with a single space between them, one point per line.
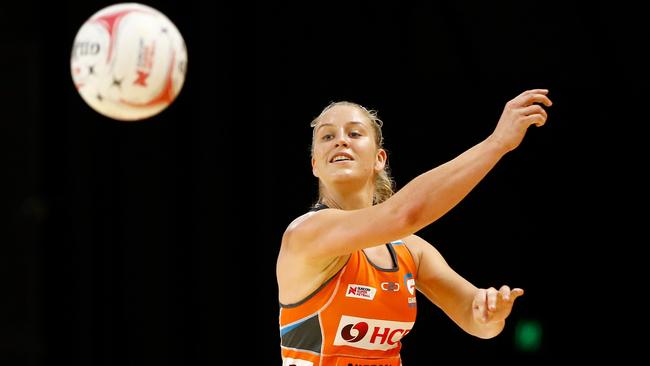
348 200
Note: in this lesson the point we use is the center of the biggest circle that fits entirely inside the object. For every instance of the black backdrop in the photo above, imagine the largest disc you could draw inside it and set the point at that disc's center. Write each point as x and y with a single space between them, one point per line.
154 242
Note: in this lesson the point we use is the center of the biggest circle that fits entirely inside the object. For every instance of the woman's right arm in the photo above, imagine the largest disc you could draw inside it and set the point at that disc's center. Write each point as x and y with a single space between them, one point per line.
332 233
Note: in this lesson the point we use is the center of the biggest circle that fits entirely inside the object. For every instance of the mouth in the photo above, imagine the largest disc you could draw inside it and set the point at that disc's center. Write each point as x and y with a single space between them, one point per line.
341 157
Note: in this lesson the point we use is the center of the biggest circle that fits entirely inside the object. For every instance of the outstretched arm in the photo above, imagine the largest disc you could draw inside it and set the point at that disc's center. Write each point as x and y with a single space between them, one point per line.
480 312
332 233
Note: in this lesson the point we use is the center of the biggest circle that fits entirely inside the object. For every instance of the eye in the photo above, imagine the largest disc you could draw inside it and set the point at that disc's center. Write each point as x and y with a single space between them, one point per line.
327 136
355 134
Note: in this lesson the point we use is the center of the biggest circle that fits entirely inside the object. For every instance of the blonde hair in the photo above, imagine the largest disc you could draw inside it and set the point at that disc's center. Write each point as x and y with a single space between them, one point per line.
384 184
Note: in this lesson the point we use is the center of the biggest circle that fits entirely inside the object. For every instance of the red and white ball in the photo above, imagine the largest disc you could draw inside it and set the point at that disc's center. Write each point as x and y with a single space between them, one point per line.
128 61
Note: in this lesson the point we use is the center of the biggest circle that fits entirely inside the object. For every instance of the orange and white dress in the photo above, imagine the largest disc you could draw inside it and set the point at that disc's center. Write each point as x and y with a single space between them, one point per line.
357 317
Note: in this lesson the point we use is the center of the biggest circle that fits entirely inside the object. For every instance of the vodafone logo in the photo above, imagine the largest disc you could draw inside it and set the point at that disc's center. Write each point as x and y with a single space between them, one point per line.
370 334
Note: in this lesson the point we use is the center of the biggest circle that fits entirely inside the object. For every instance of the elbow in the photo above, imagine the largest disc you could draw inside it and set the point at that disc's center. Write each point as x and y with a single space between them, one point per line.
410 217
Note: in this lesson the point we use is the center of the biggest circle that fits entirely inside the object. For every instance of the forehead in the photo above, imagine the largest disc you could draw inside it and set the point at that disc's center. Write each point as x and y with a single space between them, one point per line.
342 114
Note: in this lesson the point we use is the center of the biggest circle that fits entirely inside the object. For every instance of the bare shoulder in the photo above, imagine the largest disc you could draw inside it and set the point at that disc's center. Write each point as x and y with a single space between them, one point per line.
415 244
298 272
304 233
289 258
297 222
295 228
419 248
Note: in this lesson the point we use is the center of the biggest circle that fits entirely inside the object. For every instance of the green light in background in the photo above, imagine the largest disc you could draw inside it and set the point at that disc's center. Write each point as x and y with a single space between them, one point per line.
528 335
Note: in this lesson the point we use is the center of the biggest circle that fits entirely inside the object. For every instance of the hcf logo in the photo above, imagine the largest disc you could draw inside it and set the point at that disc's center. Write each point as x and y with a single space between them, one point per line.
361 329
370 334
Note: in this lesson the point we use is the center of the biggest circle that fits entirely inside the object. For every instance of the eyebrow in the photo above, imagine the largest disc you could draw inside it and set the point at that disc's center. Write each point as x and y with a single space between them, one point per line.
330 124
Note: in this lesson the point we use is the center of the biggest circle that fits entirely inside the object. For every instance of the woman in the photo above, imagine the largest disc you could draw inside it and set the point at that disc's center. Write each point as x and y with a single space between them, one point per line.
348 269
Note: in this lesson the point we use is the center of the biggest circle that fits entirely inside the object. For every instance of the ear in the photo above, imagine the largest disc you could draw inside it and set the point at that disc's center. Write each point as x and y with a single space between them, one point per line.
313 167
380 161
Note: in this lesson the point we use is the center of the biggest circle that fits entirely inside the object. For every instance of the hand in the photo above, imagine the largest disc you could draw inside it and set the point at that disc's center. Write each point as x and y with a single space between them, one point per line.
492 306
518 114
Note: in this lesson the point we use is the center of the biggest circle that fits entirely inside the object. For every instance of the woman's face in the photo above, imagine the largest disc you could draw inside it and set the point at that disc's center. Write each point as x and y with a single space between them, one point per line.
344 147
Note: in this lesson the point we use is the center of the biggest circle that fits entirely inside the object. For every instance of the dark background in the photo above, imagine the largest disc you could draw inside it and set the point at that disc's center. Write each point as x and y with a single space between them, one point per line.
154 242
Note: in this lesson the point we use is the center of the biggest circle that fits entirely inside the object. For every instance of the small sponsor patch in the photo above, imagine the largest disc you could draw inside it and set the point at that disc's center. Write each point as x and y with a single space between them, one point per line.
361 292
412 302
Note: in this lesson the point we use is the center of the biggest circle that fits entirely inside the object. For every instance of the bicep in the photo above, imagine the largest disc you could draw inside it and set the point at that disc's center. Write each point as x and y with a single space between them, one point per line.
332 233
439 282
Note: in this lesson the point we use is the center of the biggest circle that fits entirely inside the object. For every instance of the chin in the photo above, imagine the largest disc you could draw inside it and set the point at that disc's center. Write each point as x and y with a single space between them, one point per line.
346 177
343 174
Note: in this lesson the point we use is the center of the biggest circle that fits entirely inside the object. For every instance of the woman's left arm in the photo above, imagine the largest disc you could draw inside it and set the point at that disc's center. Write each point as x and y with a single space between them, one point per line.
480 312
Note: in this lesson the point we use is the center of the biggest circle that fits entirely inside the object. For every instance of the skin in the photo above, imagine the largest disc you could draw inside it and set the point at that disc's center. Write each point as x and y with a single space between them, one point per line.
317 245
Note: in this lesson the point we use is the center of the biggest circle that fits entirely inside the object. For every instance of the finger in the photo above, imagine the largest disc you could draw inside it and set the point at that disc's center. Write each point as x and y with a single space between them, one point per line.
492 298
534 109
515 293
504 291
528 99
536 119
535 91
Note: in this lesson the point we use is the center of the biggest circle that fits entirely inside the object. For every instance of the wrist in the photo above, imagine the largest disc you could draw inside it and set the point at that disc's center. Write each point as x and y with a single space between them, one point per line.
496 146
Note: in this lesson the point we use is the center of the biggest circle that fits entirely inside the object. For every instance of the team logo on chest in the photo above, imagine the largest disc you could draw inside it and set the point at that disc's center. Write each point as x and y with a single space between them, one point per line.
409 282
361 292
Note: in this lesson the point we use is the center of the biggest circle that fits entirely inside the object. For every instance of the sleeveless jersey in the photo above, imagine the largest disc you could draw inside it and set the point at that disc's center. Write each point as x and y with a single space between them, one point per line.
357 317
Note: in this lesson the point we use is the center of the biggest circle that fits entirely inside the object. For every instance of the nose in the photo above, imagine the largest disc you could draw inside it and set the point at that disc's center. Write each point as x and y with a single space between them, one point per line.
342 140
